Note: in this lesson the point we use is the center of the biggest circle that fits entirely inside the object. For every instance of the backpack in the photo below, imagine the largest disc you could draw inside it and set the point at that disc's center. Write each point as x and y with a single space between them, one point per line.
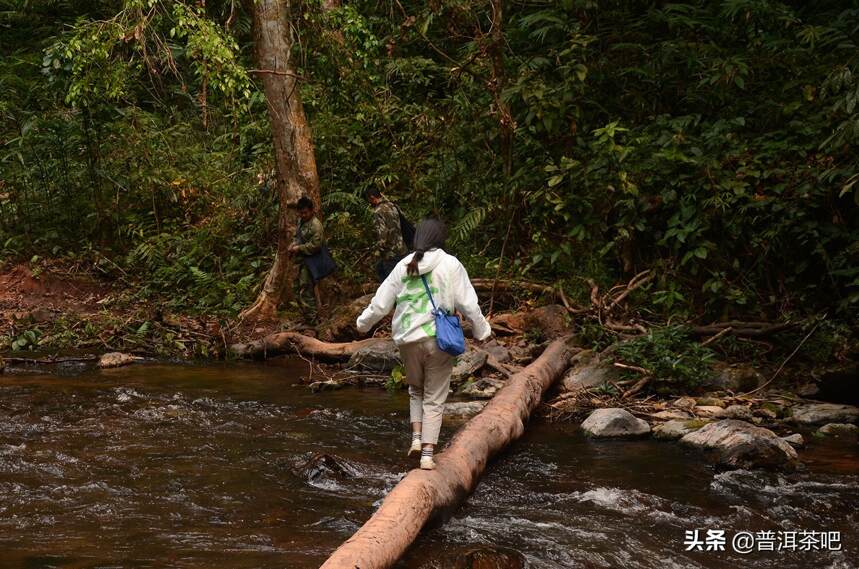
407 228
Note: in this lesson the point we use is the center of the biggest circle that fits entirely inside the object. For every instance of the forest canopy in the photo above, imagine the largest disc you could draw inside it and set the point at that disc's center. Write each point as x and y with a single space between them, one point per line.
569 142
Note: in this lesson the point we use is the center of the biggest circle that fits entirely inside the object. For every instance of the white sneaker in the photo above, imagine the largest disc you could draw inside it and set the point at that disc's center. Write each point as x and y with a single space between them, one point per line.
415 448
427 463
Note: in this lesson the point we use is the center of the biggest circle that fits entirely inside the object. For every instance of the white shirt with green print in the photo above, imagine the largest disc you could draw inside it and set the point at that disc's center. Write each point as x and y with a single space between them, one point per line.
413 319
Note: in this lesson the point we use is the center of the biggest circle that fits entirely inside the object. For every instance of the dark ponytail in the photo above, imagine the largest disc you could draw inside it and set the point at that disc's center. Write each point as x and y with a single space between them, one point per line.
430 234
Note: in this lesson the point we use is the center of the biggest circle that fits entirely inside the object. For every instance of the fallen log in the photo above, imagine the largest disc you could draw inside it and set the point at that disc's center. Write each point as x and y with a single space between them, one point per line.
51 360
293 342
508 285
423 493
748 329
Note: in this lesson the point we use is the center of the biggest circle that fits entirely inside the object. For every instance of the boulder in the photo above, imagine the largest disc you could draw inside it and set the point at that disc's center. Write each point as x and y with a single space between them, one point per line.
381 357
115 359
463 409
738 412
738 444
467 364
676 428
614 423
588 370
838 430
822 413
794 440
485 388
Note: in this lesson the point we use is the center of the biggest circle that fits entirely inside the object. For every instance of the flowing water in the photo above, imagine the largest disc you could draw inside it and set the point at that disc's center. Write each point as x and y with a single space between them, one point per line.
230 466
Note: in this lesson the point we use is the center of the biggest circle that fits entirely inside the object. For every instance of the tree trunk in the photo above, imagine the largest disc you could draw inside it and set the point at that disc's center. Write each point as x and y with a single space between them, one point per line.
397 522
295 161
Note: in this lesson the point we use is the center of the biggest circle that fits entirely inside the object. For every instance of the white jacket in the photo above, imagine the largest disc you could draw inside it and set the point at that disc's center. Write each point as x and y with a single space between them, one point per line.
413 319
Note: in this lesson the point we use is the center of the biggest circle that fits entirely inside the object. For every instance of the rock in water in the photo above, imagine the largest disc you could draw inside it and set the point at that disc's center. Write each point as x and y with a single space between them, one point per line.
737 444
838 429
614 423
794 440
463 409
822 413
377 357
488 558
324 466
677 428
329 385
115 359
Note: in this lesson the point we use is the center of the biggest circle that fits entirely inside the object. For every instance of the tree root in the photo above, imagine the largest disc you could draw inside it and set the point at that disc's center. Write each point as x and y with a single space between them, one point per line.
293 342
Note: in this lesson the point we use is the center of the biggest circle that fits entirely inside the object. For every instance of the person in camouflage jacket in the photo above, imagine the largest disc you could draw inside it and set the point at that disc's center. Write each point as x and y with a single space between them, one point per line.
386 220
308 241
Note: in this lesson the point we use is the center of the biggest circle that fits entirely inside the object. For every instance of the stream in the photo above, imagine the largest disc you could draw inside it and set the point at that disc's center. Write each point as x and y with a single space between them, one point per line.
237 466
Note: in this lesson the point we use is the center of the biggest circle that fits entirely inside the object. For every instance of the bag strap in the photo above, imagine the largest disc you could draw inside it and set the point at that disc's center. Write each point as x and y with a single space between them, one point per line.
426 286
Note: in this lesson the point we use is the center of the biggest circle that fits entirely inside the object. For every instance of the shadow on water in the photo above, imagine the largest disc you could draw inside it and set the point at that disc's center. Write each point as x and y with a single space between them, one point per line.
237 466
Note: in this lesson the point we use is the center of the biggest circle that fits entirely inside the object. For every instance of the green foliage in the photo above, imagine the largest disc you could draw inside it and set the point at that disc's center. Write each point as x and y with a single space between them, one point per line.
595 336
670 355
29 339
714 142
397 379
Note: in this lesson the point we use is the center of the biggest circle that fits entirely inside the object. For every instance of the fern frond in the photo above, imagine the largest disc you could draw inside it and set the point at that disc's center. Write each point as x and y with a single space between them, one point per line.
469 223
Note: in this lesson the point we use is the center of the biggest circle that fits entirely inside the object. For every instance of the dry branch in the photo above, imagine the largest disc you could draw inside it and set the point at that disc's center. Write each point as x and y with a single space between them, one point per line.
749 329
421 494
636 282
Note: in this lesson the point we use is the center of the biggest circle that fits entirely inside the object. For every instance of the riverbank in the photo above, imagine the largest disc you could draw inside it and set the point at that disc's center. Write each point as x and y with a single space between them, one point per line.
55 309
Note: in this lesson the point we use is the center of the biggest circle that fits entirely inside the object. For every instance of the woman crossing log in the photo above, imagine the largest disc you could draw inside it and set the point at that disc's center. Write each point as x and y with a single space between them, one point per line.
394 526
420 285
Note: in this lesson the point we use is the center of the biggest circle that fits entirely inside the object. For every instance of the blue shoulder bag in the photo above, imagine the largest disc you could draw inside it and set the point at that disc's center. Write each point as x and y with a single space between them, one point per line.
448 331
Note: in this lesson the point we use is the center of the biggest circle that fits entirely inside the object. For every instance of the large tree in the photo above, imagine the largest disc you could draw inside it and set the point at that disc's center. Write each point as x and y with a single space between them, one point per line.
105 58
295 162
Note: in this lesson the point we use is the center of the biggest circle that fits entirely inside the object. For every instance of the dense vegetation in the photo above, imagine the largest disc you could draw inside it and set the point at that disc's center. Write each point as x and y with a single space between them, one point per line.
714 142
